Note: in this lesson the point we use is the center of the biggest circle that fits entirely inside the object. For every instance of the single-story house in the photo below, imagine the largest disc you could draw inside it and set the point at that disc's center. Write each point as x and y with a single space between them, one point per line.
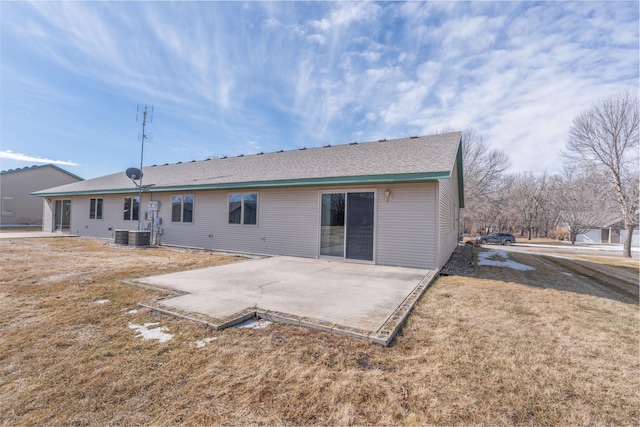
19 208
609 230
389 202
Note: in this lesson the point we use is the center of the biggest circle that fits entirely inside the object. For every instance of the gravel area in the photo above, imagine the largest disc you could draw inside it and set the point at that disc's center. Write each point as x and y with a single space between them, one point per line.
461 262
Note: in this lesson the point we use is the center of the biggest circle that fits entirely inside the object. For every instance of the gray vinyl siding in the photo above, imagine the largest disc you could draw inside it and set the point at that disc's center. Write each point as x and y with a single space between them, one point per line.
286 225
112 216
406 226
448 226
82 225
47 214
591 236
287 221
193 234
635 237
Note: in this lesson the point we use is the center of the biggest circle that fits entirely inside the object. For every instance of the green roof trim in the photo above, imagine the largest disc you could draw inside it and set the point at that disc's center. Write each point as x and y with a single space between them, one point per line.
460 175
305 182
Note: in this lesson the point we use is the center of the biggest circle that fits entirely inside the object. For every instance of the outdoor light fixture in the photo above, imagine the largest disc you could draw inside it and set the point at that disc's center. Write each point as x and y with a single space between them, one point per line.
387 194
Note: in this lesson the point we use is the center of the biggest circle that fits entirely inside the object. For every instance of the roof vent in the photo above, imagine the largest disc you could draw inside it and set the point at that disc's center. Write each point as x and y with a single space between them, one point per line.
327 146
413 136
382 140
193 161
241 155
280 151
262 152
303 148
179 163
166 164
153 166
353 143
207 159
223 157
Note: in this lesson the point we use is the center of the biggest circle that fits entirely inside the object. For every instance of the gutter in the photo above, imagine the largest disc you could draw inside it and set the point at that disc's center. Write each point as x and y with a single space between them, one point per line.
342 180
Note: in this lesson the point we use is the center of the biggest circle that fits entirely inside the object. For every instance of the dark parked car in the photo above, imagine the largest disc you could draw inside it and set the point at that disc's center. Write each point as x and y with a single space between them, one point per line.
501 238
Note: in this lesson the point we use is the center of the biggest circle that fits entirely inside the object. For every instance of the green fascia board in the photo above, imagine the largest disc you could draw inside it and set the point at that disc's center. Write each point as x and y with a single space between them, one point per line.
460 175
334 181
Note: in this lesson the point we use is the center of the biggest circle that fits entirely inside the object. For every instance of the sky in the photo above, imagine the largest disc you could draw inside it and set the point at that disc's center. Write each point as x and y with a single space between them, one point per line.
231 78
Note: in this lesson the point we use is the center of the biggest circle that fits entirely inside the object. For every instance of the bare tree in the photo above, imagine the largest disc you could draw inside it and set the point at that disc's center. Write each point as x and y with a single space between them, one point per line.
579 199
483 169
528 198
605 137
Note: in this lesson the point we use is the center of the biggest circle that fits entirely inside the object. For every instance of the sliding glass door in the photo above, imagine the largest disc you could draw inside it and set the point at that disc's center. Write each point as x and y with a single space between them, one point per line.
332 225
62 215
359 244
346 225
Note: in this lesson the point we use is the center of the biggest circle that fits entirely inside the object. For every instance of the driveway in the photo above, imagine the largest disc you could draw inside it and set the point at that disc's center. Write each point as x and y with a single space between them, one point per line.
568 249
367 301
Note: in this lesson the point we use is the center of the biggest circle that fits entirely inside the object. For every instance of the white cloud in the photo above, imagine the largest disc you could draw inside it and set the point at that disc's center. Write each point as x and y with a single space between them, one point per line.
349 12
345 14
370 56
320 25
272 23
225 73
10 155
317 38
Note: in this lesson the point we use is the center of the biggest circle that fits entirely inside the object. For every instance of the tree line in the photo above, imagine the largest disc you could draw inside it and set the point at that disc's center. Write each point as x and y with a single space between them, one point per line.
598 185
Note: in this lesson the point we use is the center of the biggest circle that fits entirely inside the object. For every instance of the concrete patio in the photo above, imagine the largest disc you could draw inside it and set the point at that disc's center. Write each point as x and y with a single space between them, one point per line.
361 300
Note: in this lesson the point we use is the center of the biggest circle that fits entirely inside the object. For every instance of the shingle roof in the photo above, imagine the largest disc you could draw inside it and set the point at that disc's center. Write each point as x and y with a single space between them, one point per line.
399 160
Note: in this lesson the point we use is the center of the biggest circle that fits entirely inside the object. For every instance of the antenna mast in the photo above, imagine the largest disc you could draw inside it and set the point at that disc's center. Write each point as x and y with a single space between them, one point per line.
147 115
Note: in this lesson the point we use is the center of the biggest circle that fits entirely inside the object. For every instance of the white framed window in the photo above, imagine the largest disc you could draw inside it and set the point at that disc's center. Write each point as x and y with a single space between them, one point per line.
182 208
131 210
95 209
243 208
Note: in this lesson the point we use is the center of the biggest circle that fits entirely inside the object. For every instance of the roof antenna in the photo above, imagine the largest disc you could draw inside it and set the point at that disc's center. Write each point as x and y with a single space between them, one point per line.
143 114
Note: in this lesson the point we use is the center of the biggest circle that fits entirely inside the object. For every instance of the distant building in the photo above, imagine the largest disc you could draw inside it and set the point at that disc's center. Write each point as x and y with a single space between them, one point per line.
610 230
16 185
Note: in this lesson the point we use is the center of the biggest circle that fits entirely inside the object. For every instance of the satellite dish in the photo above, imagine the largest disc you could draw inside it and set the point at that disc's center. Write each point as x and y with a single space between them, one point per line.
134 173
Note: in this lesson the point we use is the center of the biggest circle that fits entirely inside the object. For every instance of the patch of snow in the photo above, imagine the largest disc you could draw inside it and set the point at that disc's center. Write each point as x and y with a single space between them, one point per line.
204 341
151 334
134 311
253 324
101 301
567 274
488 258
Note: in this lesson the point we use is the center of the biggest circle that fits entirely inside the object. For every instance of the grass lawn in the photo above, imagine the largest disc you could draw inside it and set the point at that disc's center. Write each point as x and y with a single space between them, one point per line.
504 347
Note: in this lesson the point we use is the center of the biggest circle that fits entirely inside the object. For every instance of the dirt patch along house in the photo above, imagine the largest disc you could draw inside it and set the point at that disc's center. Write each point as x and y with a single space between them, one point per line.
389 202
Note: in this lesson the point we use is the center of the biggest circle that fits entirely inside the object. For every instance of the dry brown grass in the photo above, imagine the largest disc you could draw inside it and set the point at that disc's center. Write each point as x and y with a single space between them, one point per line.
631 265
494 349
